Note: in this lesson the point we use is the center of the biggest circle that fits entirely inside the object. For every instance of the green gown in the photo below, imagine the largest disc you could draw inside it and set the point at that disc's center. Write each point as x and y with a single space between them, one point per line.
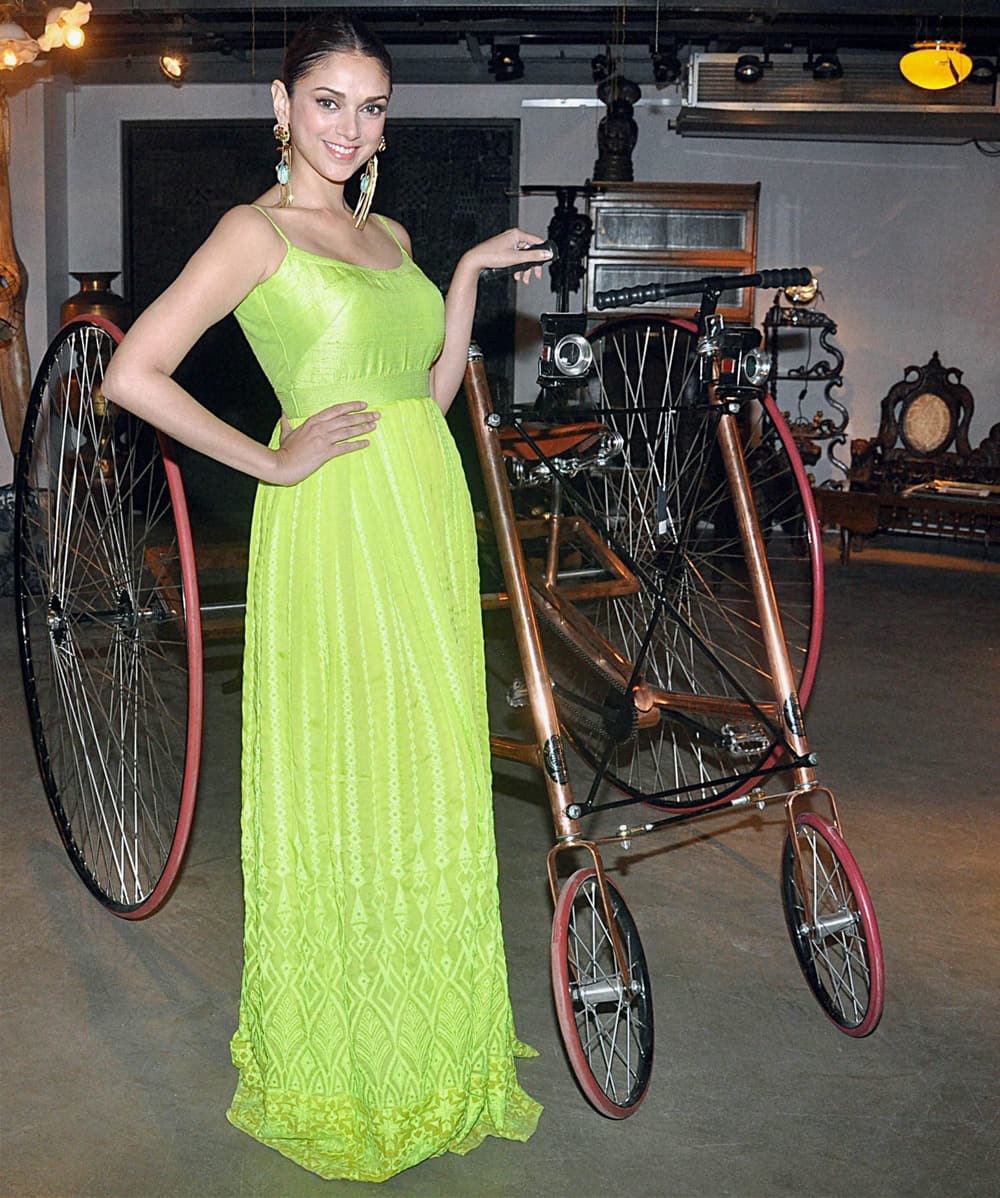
375 1025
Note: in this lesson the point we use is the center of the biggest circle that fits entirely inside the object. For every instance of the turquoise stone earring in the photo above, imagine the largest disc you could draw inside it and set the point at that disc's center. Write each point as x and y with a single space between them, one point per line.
283 170
367 185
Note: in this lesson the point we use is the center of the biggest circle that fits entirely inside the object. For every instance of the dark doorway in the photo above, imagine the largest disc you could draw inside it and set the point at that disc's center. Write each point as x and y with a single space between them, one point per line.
450 183
179 177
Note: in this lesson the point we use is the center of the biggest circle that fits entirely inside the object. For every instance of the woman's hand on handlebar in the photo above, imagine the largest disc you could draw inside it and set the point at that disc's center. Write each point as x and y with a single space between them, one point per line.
328 434
513 249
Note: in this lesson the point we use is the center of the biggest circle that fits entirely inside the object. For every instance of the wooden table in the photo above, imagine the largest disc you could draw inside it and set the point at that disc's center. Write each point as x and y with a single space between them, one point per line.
861 514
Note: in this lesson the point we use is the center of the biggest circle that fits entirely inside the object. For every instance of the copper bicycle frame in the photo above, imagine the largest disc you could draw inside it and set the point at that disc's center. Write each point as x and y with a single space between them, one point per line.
783 680
525 592
546 752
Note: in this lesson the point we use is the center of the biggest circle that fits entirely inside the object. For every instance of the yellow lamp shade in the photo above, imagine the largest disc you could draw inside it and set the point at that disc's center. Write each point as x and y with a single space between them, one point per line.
935 65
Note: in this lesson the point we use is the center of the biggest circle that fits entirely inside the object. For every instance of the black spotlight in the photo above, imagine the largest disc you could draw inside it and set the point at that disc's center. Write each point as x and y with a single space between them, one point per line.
505 62
748 69
984 70
824 66
666 67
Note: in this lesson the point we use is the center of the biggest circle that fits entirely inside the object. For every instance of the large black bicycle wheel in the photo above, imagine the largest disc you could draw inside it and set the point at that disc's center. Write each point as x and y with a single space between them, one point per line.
692 624
109 623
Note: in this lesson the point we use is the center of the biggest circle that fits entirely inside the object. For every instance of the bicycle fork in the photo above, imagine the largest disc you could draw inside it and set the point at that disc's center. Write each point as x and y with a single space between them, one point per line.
786 697
546 752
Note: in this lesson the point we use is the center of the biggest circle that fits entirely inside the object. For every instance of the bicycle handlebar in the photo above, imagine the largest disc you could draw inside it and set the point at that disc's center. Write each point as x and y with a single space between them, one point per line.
499 272
627 297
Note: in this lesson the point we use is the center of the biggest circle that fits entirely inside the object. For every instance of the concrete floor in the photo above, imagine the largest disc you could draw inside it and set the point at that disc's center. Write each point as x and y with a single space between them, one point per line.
115 1061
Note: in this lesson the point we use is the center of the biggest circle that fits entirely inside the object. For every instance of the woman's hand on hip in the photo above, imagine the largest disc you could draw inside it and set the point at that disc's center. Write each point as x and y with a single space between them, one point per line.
328 434
511 249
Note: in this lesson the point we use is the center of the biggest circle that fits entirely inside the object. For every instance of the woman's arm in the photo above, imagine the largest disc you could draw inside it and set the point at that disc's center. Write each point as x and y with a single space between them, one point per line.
242 251
508 249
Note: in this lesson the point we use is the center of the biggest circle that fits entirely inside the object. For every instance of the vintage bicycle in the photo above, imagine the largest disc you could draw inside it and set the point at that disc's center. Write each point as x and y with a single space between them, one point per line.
651 589
651 599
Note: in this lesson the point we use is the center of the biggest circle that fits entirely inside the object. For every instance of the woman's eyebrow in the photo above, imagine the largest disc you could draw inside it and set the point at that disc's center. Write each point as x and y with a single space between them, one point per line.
340 95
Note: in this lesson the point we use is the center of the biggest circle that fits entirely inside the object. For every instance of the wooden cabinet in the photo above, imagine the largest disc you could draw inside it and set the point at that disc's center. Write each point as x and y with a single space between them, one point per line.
667 232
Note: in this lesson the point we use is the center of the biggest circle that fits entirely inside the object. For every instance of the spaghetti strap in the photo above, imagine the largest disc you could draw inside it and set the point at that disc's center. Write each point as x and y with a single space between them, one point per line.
388 228
274 225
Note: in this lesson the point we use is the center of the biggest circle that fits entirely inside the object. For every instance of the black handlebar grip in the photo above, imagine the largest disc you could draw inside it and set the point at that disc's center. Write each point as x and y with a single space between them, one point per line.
497 272
627 296
796 276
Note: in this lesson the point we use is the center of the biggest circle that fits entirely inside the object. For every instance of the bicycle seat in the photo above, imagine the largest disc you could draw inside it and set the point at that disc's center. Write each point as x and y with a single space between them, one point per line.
554 440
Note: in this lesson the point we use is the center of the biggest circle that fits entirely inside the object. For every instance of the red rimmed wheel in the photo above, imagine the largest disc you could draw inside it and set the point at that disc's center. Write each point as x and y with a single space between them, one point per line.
606 1022
110 626
832 924
665 502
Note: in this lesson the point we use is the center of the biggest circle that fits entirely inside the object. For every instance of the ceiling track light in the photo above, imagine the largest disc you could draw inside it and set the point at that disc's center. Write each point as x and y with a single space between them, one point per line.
750 67
173 66
505 63
666 64
935 65
984 70
824 64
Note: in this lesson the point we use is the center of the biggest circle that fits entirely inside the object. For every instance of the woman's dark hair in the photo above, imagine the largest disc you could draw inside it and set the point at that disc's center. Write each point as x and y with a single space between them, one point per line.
331 35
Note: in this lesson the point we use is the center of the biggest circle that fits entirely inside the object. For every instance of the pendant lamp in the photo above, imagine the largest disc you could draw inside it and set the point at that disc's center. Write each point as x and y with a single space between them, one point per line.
935 65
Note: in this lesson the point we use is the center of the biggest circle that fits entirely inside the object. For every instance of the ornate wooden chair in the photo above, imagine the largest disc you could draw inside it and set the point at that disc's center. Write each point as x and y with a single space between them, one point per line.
920 473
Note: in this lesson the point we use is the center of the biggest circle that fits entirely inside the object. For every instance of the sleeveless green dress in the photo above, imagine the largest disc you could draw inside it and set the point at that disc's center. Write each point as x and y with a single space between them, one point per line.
375 1025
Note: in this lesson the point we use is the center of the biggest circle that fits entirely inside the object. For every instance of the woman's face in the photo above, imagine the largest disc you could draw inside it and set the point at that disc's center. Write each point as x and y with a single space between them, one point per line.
335 114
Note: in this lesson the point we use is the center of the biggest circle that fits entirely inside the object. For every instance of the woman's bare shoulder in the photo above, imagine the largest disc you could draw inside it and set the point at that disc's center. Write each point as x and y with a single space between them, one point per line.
246 235
246 220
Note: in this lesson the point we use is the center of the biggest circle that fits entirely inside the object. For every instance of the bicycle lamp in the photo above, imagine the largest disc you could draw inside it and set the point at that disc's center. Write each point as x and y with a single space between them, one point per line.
741 366
756 366
566 355
573 356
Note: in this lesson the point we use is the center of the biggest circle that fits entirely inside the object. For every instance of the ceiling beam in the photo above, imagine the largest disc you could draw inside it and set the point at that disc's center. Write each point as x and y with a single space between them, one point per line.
902 10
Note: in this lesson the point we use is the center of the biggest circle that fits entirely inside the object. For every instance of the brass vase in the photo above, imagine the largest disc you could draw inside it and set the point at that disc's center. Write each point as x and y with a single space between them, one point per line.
95 298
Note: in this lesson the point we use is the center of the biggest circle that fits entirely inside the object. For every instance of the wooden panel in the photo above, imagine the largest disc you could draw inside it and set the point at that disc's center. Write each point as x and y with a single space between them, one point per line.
179 177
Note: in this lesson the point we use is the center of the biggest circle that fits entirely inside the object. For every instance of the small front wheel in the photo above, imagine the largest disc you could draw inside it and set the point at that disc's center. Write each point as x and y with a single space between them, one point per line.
831 921
606 1019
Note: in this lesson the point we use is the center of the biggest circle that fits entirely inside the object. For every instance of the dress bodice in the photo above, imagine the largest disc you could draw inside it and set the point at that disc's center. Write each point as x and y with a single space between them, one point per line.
326 331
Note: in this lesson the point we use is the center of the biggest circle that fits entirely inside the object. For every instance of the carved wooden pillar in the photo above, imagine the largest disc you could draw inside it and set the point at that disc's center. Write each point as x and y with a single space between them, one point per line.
15 373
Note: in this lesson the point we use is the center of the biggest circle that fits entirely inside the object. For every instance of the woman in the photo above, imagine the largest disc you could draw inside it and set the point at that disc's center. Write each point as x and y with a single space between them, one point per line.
375 1026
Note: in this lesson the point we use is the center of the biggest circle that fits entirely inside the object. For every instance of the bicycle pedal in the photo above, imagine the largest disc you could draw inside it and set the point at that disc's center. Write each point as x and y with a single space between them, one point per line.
747 741
517 694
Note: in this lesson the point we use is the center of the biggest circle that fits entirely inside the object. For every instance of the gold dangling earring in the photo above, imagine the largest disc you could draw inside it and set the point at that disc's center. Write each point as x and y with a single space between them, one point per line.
368 181
283 170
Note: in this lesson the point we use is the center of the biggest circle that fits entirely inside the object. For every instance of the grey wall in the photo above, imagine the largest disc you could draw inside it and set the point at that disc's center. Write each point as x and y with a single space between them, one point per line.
903 238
